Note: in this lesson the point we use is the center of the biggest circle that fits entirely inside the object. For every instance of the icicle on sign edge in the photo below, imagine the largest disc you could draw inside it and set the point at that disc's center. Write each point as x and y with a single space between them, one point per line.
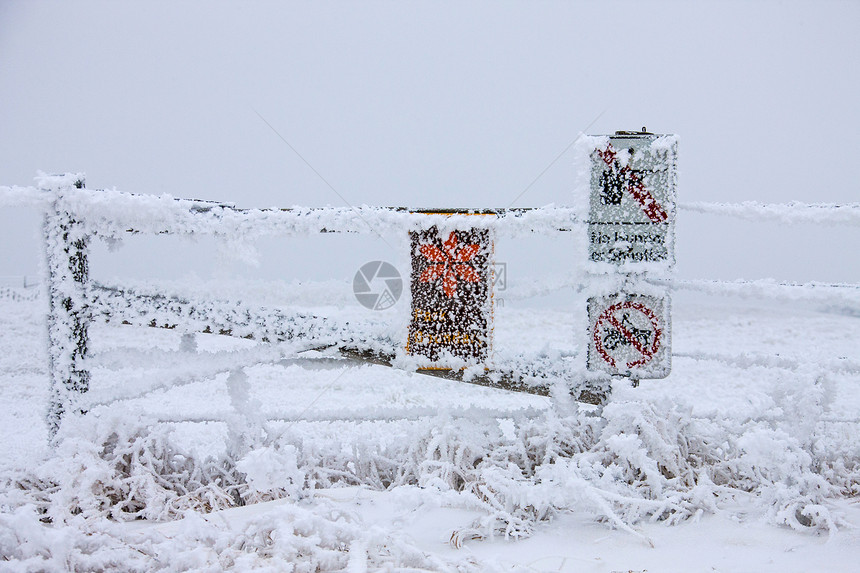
451 320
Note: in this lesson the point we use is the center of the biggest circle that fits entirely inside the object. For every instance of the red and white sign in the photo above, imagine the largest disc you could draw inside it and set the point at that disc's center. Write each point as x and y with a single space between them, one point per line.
629 336
634 185
632 201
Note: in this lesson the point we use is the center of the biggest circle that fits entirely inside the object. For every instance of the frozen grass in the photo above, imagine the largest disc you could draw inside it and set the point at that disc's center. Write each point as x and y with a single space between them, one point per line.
754 424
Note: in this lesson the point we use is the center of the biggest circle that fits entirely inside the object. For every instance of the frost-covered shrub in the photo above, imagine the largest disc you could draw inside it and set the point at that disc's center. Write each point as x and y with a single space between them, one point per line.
636 461
127 469
26 544
630 462
288 537
271 473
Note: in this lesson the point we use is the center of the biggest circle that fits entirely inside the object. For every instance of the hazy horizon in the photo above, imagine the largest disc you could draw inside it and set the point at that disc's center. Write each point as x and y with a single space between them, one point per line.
440 104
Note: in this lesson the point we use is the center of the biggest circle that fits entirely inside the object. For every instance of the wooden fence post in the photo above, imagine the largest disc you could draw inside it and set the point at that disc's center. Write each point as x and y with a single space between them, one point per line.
66 243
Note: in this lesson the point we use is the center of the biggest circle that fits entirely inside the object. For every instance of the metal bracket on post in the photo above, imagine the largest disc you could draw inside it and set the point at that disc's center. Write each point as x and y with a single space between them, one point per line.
66 244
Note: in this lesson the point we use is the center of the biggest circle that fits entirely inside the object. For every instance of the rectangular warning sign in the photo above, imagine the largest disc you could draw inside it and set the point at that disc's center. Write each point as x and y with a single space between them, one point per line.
632 201
451 287
630 335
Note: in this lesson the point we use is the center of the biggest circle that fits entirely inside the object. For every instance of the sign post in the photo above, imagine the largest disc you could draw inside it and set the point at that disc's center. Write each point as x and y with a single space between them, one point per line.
451 285
631 226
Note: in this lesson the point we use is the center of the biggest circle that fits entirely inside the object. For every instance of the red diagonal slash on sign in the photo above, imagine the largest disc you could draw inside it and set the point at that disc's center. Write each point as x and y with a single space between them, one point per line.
647 352
635 186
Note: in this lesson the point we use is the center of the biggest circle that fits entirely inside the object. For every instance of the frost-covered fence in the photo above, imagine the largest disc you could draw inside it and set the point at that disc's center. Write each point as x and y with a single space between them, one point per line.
769 427
19 294
75 215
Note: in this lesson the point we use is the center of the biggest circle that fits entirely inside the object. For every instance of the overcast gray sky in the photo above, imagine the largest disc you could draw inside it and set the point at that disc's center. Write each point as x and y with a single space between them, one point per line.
441 104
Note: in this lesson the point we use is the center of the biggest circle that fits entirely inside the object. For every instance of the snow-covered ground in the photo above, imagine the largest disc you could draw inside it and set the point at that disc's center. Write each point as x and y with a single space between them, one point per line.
746 458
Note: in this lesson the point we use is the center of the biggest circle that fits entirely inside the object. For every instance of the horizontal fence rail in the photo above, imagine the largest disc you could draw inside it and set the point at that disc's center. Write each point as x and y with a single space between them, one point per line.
828 293
20 294
113 213
367 344
831 293
109 206
370 415
112 304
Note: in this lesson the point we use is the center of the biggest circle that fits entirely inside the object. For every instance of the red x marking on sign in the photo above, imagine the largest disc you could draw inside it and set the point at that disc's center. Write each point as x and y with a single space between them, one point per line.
635 186
647 348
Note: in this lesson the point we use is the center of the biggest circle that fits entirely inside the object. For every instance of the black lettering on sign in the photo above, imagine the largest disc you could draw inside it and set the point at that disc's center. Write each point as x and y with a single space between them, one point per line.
612 182
450 283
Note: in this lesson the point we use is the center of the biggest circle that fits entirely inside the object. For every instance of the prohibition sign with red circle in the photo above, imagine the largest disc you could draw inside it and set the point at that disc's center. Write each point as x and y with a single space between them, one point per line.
624 333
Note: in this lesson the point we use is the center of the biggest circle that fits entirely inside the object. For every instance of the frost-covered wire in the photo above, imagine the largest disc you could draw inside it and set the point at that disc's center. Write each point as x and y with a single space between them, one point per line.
792 212
768 288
